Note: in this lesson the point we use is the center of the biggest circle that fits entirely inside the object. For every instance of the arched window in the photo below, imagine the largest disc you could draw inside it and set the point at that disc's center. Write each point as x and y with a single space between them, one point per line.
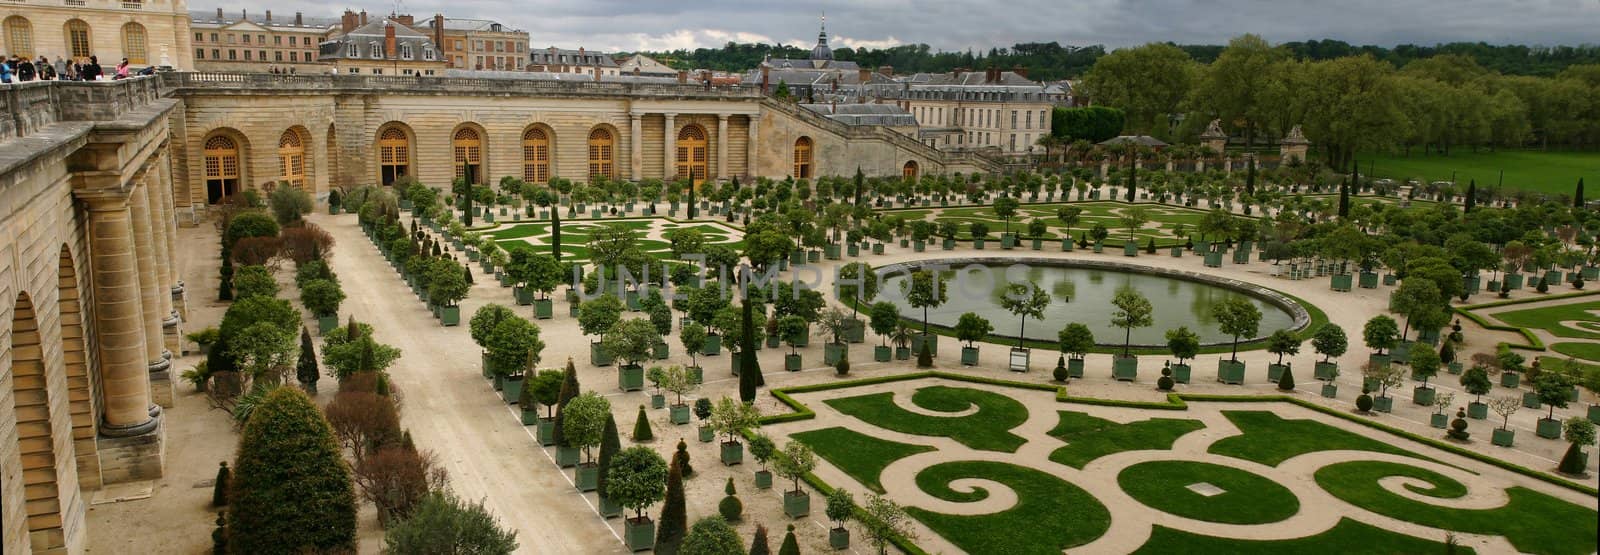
909 171
133 44
692 154
19 36
802 158
394 154
601 146
222 168
292 159
468 146
78 38
535 156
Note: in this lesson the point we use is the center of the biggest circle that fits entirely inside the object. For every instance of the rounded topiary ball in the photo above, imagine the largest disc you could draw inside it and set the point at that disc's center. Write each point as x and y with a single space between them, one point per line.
730 508
1458 427
1364 403
1164 383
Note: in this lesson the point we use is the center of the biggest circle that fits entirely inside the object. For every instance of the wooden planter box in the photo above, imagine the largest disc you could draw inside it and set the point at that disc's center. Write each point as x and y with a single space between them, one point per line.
325 324
1423 395
1124 368
1181 373
902 353
598 355
1503 437
678 414
763 479
791 362
544 309
1074 368
587 477
1548 428
713 346
450 315
1275 372
1477 411
839 538
1510 379
1383 404
566 456
948 244
882 353
1439 420
1230 372
1330 390
969 356
546 431
732 453
832 352
917 341
707 434
639 533
1369 280
630 377
1326 371
1341 282
511 390
796 504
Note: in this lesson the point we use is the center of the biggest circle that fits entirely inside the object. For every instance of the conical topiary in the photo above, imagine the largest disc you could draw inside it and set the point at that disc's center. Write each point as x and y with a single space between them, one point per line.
730 507
641 428
674 513
790 545
758 545
682 457
1286 381
569 389
925 357
219 490
610 444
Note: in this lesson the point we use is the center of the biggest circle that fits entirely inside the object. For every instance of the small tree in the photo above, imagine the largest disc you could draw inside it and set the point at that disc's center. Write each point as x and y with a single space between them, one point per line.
792 329
637 479
693 338
583 422
513 346
676 379
322 297
841 507
790 545
596 317
1505 406
925 289
1425 365
631 340
758 544
1579 432
219 488
762 449
443 523
292 489
1025 300
794 462
1329 341
884 318
1554 389
674 512
1385 375
884 520
1005 208
1380 333
712 535
731 509
1236 317
1283 342
1132 311
1076 340
730 417
1183 343
1476 381
972 327
306 371
610 445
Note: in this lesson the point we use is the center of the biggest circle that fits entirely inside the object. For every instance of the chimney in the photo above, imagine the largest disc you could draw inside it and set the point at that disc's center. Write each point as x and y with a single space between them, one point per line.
269 16
299 19
766 71
348 22
683 77
389 50
244 15
438 31
219 14
864 74
363 17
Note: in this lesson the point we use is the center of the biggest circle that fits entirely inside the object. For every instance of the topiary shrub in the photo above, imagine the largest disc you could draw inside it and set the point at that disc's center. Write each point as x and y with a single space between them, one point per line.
641 428
1364 402
730 507
843 367
1458 427
1543 286
1060 372
443 523
925 357
291 489
1286 382
219 490
1165 382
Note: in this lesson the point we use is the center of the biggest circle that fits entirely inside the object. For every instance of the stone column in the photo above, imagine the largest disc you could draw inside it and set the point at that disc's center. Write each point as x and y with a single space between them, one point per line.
669 164
150 289
118 317
169 209
636 148
722 147
750 155
165 272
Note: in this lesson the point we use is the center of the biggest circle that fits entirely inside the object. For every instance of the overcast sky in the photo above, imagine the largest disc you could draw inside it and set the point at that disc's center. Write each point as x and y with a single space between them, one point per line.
960 24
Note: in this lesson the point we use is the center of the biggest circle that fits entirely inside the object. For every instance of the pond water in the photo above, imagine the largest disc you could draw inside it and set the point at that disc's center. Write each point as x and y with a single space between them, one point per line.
1084 295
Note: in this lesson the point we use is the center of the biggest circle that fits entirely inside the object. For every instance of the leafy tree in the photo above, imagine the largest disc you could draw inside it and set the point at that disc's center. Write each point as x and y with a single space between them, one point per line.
596 317
794 462
841 507
350 349
288 204
248 224
1133 311
513 346
1237 317
484 320
1024 300
443 523
884 520
792 329
252 281
584 420
1329 341
729 418
693 337
637 479
321 296
1554 390
884 318
1476 381
864 291
1183 343
447 283
1145 82
1380 333
925 289
1425 365
1579 432
292 490
1006 208
1416 299
1076 340
1283 342
543 388
631 340
712 536
971 328
1132 219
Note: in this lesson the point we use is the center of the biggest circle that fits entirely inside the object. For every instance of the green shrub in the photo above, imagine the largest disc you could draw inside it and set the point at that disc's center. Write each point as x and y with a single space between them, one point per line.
321 296
248 224
292 490
641 428
252 281
712 536
219 488
444 524
730 507
288 203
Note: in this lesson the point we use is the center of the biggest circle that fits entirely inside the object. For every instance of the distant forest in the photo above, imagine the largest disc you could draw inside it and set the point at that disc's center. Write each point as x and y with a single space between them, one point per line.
1051 61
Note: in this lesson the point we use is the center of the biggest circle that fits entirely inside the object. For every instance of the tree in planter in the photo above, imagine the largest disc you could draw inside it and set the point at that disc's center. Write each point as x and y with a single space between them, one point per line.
1579 432
794 462
1476 381
484 321
762 449
1380 333
322 297
925 289
1005 208
569 391
1330 342
1505 406
972 328
1132 219
447 284
729 418
1283 342
1385 375
583 422
792 329
610 444
1037 228
884 319
1236 317
514 345
675 379
1183 343
712 535
291 490
539 272
841 507
857 282
1025 300
631 340
693 338
251 281
1554 389
1425 365
1420 301
979 231
1132 311
885 520
306 371
443 523
836 323
656 308
636 479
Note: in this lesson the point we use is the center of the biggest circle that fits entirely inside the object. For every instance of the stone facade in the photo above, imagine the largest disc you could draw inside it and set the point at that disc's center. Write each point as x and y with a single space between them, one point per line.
87 282
258 43
148 32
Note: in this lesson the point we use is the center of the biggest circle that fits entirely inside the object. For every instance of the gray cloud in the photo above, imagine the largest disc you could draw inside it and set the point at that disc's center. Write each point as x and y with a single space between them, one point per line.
958 25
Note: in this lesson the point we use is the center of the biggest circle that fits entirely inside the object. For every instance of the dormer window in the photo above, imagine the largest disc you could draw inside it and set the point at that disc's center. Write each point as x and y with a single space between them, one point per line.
427 53
375 50
355 51
405 51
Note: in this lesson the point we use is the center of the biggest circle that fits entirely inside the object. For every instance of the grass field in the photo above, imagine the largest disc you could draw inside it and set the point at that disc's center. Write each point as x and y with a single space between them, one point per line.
1554 172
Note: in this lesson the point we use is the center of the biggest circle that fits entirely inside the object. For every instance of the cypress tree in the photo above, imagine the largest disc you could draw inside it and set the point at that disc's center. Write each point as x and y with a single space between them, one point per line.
466 210
860 182
1133 171
1286 382
925 357
569 389
1472 196
790 545
1344 199
749 367
225 284
306 371
641 428
466 271
691 201
610 444
555 232
674 514
1250 179
1577 196
292 490
758 545
219 490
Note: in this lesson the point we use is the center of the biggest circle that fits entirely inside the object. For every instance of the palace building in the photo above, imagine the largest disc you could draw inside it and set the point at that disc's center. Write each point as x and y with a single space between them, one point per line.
146 32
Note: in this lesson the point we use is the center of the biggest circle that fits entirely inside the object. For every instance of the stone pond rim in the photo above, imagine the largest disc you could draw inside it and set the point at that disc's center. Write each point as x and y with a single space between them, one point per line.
1301 316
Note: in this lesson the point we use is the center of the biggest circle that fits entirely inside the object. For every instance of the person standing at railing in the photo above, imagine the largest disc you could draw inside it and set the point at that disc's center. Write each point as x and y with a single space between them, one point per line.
47 72
91 71
122 70
64 69
25 70
5 70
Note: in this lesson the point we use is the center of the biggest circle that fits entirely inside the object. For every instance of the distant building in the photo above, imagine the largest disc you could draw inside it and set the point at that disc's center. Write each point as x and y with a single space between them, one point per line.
580 61
259 43
812 78
146 33
382 47
884 115
645 66
478 44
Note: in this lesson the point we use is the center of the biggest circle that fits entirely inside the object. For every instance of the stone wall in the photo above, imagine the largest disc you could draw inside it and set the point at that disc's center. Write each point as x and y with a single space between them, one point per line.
165 22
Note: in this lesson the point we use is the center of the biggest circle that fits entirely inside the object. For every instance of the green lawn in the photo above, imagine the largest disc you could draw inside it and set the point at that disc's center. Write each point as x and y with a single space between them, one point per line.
1089 438
575 236
987 429
1554 172
1532 521
1549 319
1269 439
1050 514
1349 537
1586 351
1246 498
858 455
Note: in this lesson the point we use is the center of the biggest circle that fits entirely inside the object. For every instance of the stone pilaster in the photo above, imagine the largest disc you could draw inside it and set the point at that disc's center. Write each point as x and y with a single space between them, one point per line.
722 147
169 217
636 146
119 318
669 140
751 148
150 289
155 198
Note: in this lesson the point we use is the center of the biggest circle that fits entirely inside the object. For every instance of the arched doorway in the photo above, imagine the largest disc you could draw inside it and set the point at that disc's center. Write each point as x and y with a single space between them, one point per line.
394 154
468 147
332 144
31 404
601 149
802 158
292 158
222 168
692 154
82 389
535 155
909 171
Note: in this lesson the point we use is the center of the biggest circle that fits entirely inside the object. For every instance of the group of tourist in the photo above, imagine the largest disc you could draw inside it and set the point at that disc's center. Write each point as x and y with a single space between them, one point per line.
23 70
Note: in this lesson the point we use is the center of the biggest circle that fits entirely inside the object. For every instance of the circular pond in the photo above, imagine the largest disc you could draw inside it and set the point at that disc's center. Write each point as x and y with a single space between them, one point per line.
1081 291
